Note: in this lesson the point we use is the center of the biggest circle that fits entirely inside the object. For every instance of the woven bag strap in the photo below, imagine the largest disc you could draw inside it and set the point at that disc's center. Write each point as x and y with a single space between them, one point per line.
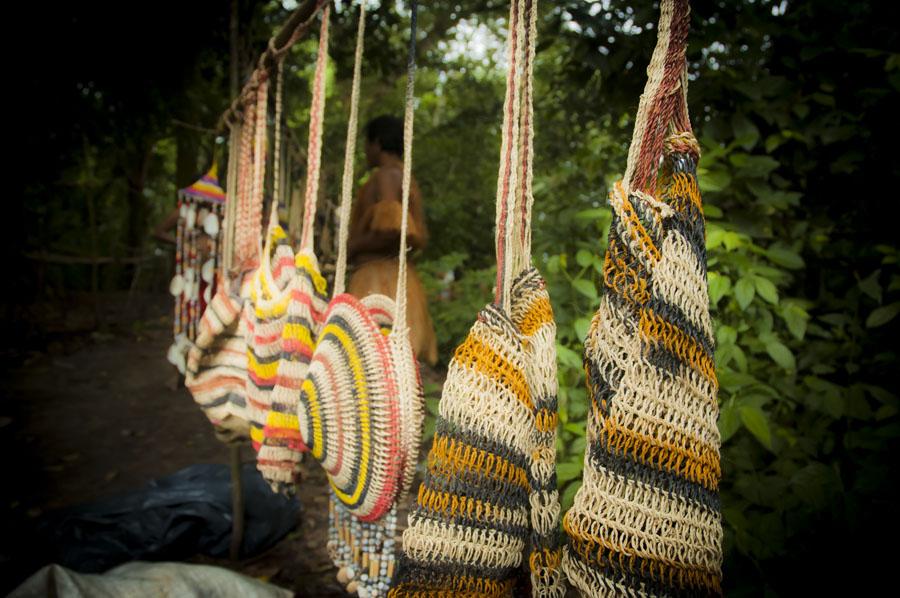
521 245
507 176
314 147
340 275
231 199
399 327
663 105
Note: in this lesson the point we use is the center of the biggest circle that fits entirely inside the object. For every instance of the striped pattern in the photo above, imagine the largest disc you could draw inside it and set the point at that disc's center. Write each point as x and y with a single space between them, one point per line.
207 188
265 314
646 521
489 499
352 419
306 301
216 372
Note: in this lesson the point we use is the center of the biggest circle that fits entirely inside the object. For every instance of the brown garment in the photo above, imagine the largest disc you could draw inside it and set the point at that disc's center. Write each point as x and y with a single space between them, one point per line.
375 265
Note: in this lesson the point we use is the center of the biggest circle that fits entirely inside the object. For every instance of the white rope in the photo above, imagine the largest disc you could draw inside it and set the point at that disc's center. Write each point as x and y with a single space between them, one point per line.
314 152
408 120
340 276
231 200
506 178
521 234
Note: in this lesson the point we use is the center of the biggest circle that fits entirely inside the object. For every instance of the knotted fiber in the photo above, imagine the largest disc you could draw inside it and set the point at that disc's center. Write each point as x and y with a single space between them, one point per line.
216 372
646 520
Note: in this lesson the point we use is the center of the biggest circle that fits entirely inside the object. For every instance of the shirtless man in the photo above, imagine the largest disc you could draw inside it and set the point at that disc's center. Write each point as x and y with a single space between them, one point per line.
374 239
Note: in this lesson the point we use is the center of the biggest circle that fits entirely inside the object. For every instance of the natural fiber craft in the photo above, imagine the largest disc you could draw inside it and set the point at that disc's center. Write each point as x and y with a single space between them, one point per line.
303 300
361 405
216 372
489 502
646 520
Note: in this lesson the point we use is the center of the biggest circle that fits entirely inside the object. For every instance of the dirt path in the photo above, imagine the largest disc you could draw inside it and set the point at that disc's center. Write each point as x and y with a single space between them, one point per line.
80 424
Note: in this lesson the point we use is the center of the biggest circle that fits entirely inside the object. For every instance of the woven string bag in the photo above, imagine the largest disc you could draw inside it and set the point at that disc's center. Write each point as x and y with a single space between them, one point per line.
646 520
216 372
361 406
298 306
487 512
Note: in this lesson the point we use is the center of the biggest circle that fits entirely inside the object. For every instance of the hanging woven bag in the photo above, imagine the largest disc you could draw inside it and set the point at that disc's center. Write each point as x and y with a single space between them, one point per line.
299 305
488 504
646 520
361 405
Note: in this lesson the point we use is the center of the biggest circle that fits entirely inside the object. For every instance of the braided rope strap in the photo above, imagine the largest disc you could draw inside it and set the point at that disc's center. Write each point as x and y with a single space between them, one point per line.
489 498
646 520
361 411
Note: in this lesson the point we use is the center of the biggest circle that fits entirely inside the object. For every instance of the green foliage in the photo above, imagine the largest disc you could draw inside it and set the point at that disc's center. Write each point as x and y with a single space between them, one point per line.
791 102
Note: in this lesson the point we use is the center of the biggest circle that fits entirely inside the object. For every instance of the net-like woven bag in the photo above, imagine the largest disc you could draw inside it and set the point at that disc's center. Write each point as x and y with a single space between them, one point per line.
487 513
646 520
216 372
360 410
296 308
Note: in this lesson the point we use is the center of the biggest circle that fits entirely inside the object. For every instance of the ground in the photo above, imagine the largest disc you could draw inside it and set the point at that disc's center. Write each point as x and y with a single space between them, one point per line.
87 414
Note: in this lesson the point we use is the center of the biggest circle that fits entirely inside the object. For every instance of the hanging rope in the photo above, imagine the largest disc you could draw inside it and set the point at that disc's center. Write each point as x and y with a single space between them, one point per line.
664 101
340 275
521 257
506 179
408 121
231 201
260 146
314 151
276 159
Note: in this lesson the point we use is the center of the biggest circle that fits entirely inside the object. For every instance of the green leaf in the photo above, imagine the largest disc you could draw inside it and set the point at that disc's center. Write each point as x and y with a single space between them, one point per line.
714 180
729 420
783 256
718 286
744 291
586 288
581 326
745 132
882 315
765 289
567 499
593 214
781 355
584 258
870 286
568 357
796 319
568 471
755 420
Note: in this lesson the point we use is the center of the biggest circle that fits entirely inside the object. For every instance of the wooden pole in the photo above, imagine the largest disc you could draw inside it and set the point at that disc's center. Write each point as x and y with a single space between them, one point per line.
266 60
234 450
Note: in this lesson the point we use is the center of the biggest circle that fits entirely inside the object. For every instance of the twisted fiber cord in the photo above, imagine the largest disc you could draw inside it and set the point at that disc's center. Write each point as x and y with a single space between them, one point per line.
276 159
408 120
244 234
525 197
506 179
663 102
314 149
349 155
259 165
228 223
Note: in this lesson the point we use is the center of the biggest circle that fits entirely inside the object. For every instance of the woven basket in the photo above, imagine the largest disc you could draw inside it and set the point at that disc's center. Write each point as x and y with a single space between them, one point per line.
488 504
646 520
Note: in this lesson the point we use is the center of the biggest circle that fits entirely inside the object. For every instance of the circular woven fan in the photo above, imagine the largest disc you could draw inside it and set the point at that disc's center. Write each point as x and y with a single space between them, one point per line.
350 413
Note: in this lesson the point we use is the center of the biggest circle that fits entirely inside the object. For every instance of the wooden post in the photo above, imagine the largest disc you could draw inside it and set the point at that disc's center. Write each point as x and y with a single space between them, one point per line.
237 502
234 450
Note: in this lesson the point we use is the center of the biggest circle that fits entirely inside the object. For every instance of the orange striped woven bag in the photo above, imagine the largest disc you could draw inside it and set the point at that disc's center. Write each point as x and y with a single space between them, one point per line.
488 504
